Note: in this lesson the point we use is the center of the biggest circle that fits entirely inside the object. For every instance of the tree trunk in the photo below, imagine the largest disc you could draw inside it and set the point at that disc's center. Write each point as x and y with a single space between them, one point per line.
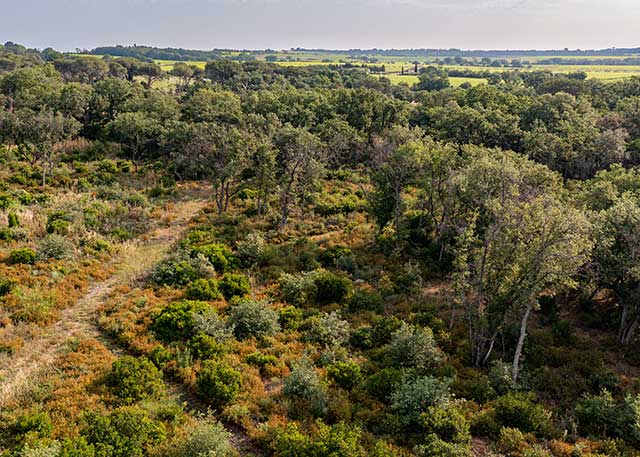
520 345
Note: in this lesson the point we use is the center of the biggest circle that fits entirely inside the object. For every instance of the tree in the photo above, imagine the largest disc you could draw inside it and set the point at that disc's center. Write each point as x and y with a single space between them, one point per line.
617 260
150 72
300 164
36 135
186 74
206 105
219 154
138 134
432 79
393 174
534 244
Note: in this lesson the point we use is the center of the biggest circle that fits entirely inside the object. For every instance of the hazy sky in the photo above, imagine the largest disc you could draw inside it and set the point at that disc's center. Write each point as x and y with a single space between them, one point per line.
281 24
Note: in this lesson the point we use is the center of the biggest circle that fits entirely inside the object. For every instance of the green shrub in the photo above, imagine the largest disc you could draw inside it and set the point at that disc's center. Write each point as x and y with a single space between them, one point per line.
13 220
202 289
414 347
213 325
603 416
205 438
125 432
383 329
331 288
132 380
251 318
205 346
475 387
160 356
361 338
218 255
218 382
501 377
511 442
435 447
176 321
28 426
6 234
448 423
251 249
54 246
305 390
330 256
22 256
59 222
107 166
365 300
180 270
6 286
234 285
337 440
414 397
6 201
328 330
260 360
519 410
290 318
345 374
298 290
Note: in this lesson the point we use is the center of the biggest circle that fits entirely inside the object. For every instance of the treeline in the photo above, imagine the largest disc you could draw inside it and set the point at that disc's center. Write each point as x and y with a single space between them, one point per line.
151 53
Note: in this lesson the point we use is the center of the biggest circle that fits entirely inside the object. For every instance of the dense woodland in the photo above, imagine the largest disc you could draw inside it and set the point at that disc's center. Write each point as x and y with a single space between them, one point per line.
353 268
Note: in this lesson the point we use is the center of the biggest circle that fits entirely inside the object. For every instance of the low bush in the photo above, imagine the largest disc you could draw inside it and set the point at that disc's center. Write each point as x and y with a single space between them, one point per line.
328 330
365 300
218 382
290 318
234 285
132 380
205 438
519 410
414 347
22 256
219 255
124 432
345 374
305 390
252 318
205 347
328 441
181 270
176 321
414 396
54 247
202 289
260 360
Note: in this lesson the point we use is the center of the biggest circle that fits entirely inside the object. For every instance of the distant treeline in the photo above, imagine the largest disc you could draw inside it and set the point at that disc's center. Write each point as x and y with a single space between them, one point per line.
453 52
151 53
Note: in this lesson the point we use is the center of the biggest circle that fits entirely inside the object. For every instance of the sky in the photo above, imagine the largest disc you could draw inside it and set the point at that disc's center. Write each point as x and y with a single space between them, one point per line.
330 24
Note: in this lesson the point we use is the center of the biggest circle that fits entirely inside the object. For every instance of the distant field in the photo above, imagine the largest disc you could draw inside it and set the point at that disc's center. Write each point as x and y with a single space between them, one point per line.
394 65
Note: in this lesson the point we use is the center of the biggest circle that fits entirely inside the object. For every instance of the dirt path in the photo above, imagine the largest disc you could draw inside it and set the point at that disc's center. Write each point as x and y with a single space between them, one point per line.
135 259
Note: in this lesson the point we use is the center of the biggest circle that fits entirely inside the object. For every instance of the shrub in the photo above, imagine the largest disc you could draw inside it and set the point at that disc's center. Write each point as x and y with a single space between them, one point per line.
234 285
211 324
251 318
250 250
298 290
330 256
602 416
218 382
204 438
260 360
176 321
54 247
125 432
290 318
6 285
383 383
218 255
329 330
59 222
365 300
13 220
181 270
331 288
361 338
329 441
414 397
6 201
501 378
29 425
132 380
518 410
435 447
448 423
202 289
511 442
305 390
22 256
476 387
413 347
345 374
383 329
205 346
